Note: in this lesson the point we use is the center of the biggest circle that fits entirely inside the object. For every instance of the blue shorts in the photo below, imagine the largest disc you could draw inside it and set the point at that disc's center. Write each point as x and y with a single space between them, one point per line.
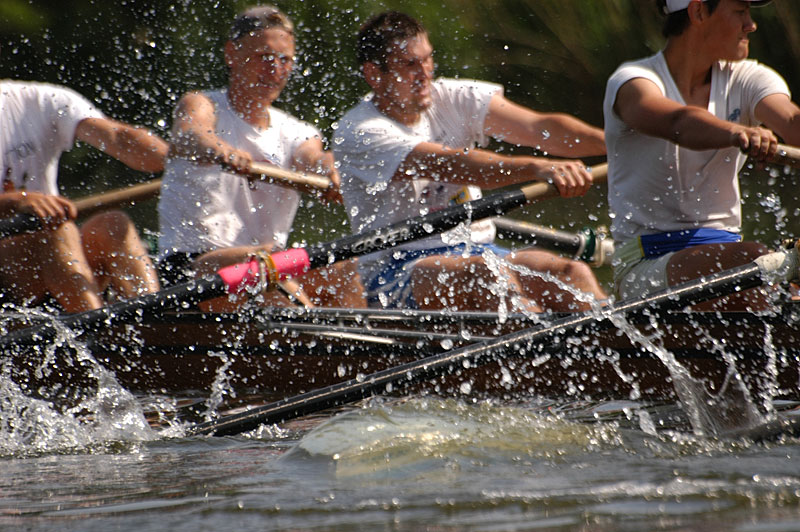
391 286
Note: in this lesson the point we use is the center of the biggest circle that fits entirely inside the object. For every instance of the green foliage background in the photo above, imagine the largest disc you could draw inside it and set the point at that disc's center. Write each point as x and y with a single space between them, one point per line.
135 58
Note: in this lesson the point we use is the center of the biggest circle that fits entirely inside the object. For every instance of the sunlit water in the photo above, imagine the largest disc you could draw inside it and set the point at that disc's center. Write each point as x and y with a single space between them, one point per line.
415 463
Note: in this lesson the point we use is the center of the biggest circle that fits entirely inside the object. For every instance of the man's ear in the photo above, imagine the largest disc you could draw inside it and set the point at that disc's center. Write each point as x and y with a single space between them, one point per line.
372 74
697 11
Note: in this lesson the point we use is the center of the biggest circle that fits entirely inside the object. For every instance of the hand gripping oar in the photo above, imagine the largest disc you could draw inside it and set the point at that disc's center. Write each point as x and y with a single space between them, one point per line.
264 272
769 268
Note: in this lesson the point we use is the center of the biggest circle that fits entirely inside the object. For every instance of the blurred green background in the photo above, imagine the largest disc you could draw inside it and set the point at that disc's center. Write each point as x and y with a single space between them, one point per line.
135 58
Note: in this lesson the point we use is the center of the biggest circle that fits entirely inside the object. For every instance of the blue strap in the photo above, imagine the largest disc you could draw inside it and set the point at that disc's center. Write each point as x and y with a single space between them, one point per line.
660 244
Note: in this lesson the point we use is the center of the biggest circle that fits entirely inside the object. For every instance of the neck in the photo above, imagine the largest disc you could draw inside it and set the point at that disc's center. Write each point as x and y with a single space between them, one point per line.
689 66
254 111
397 112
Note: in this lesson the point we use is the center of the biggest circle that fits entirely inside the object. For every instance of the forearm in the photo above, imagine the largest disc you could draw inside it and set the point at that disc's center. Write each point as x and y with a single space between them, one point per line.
697 129
564 135
141 149
478 167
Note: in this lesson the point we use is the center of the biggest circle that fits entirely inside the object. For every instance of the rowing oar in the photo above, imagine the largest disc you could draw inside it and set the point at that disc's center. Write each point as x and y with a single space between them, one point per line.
587 245
771 268
28 223
265 272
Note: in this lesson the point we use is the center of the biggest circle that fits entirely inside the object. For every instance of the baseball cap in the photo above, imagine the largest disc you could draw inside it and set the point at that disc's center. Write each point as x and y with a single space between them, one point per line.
676 5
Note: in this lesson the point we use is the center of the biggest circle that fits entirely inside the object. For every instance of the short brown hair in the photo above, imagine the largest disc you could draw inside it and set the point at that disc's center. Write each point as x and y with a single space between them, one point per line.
258 18
378 35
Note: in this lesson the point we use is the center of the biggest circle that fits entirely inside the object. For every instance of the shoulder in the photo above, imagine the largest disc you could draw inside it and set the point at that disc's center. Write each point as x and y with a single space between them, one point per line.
39 90
451 87
289 123
364 117
748 69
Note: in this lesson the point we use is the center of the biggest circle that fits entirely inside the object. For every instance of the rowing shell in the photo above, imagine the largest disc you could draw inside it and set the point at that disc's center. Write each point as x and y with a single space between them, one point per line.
282 352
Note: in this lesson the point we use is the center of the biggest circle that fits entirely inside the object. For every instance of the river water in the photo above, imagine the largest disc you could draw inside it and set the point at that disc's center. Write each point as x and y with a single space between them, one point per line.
415 463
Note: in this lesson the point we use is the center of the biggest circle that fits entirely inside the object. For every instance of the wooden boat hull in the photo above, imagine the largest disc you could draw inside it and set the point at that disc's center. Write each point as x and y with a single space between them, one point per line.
278 355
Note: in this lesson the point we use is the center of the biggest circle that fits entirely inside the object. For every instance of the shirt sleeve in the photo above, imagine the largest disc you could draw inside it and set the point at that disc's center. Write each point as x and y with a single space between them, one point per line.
68 109
759 81
620 77
372 150
462 109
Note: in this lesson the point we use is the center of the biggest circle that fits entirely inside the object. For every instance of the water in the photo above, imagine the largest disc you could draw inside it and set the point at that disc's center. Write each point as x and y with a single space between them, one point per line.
417 464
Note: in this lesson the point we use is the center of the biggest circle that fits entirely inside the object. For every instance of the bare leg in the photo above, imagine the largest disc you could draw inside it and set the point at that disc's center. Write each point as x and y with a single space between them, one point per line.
338 285
706 259
118 256
547 293
458 283
53 262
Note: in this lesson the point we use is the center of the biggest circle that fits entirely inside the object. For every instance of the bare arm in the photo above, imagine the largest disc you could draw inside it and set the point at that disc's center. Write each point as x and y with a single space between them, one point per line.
489 170
555 133
782 115
641 106
311 157
137 147
194 137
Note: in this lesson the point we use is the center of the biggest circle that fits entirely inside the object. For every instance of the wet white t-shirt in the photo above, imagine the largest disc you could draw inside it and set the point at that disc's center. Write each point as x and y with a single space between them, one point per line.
37 124
656 186
203 207
369 147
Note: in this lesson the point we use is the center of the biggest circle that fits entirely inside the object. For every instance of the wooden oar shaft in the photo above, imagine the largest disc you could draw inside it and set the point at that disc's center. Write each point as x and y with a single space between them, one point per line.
313 181
98 202
747 276
787 155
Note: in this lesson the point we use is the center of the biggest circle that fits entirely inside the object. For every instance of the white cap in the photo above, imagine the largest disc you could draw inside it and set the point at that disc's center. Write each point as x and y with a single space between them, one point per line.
676 5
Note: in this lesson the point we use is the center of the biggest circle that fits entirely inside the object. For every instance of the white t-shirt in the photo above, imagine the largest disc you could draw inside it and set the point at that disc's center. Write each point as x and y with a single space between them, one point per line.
203 207
369 147
37 124
656 186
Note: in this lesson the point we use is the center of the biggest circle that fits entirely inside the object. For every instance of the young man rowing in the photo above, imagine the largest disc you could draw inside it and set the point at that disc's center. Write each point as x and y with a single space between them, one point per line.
39 122
679 125
409 148
211 217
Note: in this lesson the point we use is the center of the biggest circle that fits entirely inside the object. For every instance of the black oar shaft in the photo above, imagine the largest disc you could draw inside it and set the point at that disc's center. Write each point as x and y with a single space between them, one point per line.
184 294
18 224
743 277
572 244
415 228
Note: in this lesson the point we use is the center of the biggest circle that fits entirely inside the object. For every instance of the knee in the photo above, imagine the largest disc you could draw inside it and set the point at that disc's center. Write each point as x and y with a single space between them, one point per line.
106 230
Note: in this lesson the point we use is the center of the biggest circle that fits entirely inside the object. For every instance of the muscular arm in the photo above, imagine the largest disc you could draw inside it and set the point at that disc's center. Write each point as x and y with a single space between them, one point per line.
782 115
489 170
194 137
558 134
137 147
642 106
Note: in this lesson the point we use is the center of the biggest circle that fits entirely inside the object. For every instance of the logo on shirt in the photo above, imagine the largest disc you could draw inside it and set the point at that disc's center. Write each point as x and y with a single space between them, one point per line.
26 149
735 115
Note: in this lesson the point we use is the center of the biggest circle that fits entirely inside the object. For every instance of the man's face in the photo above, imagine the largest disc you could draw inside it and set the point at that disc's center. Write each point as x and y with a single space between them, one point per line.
261 62
729 30
406 80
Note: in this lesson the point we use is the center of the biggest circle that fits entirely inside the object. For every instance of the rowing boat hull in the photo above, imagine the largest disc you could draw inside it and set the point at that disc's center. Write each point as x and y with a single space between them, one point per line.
277 355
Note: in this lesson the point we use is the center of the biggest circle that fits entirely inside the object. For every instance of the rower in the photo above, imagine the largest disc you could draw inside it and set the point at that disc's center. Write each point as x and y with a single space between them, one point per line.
679 125
73 265
210 217
409 148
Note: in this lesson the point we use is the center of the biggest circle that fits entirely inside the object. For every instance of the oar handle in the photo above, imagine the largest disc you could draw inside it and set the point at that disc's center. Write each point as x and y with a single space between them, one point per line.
540 190
99 202
787 155
303 180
